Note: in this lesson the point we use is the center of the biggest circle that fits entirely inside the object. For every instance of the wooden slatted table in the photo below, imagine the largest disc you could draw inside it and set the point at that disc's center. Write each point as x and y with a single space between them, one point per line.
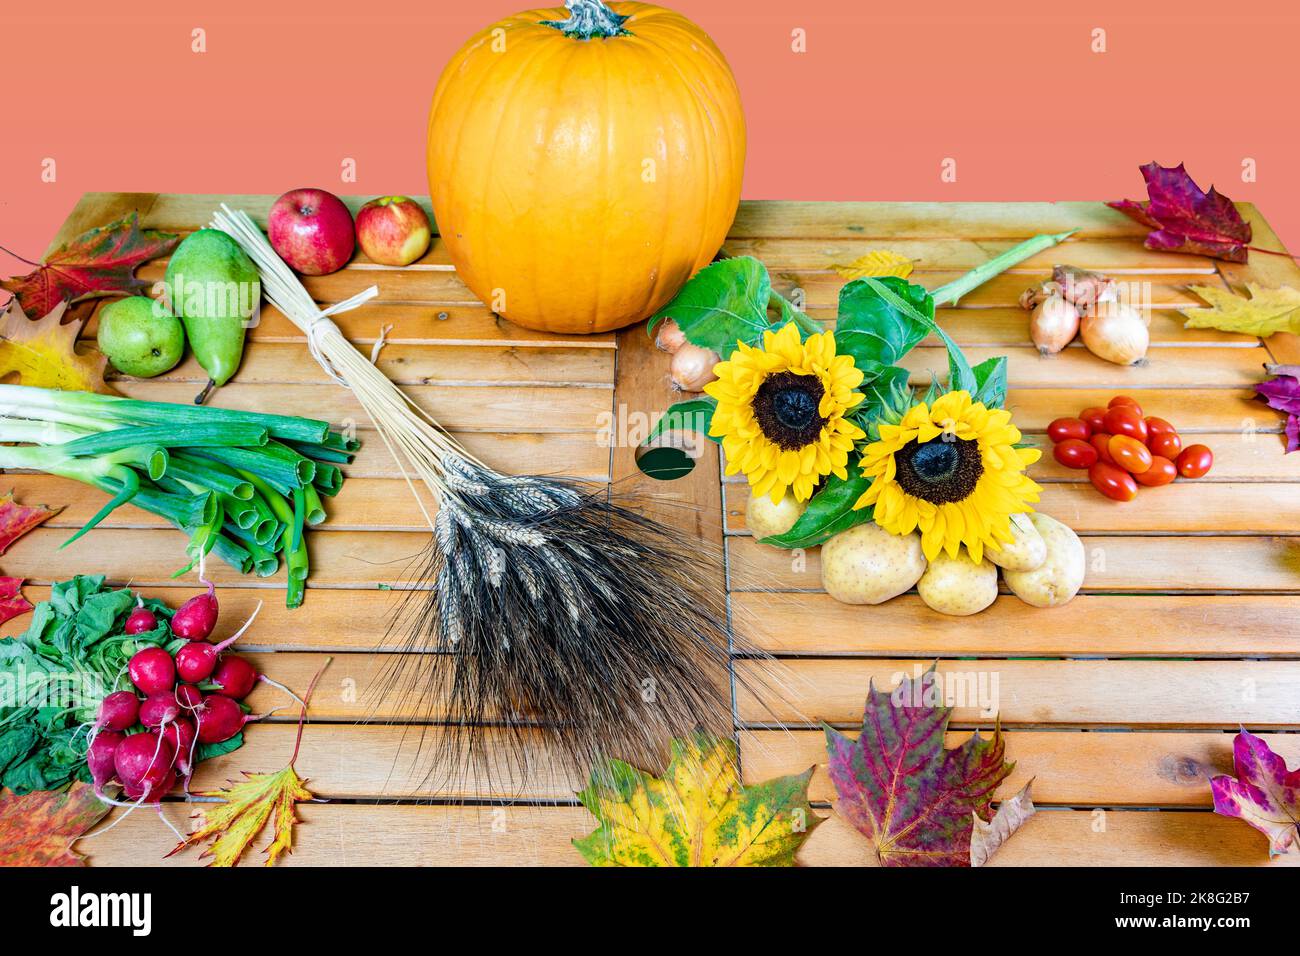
1119 705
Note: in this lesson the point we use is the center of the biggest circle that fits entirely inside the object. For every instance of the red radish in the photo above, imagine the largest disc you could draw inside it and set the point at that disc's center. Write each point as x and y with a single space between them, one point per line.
140 621
100 757
159 709
119 710
140 791
188 696
180 733
143 762
152 670
234 678
196 661
220 718
195 619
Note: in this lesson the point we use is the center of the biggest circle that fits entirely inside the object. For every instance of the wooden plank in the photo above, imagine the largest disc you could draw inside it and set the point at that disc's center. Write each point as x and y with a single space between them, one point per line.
273 363
1188 506
1008 327
341 835
1075 693
460 408
1074 768
469 324
1116 257
1192 410
1166 367
928 220
371 761
1090 625
1137 564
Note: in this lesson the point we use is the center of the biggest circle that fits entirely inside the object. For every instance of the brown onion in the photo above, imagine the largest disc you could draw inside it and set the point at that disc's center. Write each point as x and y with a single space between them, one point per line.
1053 325
1117 333
692 367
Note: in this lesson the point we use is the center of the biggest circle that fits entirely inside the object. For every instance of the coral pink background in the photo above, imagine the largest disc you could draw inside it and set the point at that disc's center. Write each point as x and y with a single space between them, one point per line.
1010 90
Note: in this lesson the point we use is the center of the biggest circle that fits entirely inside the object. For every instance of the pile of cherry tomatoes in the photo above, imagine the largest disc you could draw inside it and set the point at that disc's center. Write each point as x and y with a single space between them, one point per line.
1121 449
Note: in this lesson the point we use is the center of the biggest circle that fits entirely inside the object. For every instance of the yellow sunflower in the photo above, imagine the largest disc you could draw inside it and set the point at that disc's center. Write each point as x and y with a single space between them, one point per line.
781 409
951 471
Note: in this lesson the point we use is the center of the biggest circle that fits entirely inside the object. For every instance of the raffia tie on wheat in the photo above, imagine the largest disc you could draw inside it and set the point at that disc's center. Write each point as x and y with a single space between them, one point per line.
543 622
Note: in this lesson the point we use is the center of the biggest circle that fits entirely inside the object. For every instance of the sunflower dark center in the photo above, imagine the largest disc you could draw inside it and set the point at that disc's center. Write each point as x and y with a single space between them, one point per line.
941 470
786 409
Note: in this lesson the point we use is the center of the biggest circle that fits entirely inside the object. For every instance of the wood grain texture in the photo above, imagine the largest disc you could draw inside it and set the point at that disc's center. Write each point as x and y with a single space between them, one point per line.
1203 576
529 835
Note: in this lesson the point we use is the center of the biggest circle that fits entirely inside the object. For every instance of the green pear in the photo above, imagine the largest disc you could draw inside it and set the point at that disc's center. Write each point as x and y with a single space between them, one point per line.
140 336
213 287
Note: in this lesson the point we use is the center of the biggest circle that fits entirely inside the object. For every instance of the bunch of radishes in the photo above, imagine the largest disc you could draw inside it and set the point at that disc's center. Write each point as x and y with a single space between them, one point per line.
144 738
692 366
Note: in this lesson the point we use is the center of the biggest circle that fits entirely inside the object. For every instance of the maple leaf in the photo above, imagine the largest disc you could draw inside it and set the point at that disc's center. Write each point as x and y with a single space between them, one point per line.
1184 219
44 352
987 836
248 805
1263 793
1265 312
99 262
698 814
15 521
1283 393
877 264
39 828
911 798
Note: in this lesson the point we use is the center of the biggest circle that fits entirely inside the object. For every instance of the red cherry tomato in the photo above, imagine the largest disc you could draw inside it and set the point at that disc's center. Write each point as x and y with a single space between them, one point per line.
1129 453
1101 442
1165 444
1158 426
1093 418
1195 461
1115 483
1126 420
1161 472
1119 400
1064 428
1074 453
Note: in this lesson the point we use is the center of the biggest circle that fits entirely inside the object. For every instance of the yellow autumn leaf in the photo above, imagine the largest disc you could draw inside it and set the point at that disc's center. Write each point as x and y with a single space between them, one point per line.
877 264
44 352
1266 310
246 807
698 814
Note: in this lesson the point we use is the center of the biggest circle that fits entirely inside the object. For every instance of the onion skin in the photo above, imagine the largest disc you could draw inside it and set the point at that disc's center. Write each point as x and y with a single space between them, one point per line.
692 367
1053 325
670 337
1118 334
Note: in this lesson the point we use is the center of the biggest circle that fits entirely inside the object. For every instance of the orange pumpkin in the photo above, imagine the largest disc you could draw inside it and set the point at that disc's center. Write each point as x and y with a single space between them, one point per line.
582 169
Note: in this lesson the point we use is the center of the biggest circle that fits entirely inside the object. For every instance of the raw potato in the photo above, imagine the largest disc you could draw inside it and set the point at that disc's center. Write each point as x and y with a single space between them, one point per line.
958 586
868 565
765 519
1027 552
1059 578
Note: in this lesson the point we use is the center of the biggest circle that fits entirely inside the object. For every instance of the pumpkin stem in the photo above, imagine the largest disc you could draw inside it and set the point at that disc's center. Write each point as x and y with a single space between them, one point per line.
589 19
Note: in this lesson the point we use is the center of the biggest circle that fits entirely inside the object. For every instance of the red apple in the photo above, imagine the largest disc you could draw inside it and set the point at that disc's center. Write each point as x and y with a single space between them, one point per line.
311 230
393 230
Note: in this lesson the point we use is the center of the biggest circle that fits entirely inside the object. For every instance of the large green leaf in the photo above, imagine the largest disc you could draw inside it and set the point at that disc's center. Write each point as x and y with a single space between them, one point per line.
991 382
724 303
692 415
880 321
829 512
917 306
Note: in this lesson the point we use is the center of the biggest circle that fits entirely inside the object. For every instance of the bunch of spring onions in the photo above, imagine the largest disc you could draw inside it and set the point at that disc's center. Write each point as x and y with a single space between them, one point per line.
244 486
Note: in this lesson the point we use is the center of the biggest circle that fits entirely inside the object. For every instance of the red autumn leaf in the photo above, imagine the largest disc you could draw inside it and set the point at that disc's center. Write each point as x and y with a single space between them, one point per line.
39 828
914 801
1263 793
15 521
1184 219
99 262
